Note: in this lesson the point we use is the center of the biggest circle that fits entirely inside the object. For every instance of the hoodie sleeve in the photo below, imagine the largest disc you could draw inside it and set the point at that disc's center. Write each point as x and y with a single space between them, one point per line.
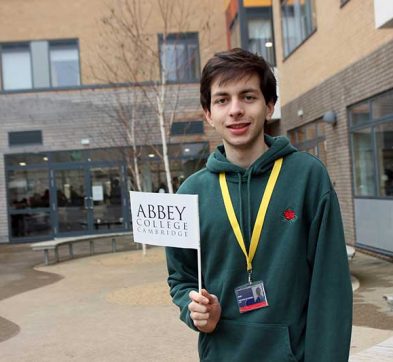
329 316
183 277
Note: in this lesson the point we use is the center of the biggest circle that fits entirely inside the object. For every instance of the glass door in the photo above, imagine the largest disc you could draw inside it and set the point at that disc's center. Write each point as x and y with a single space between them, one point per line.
107 198
89 199
72 201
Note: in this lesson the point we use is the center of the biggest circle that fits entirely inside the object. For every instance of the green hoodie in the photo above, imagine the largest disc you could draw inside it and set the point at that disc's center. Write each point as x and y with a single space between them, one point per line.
301 258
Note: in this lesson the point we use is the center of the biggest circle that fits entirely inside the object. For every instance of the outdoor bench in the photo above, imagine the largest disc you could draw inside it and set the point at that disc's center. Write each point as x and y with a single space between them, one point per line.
70 241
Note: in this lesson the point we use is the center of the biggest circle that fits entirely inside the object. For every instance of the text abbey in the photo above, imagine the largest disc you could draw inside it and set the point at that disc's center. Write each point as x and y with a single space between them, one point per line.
161 212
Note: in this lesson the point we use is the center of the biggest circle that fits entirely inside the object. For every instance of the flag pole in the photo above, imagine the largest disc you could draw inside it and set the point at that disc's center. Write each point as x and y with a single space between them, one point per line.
199 269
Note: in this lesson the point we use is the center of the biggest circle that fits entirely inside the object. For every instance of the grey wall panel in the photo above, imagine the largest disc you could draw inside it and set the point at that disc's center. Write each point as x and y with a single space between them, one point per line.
374 223
40 61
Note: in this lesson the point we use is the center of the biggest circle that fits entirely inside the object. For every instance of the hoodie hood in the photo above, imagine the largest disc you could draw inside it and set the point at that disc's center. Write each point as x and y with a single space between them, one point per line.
278 147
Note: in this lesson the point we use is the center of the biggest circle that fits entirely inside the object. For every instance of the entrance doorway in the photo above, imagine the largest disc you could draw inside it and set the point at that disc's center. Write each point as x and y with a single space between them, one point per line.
89 199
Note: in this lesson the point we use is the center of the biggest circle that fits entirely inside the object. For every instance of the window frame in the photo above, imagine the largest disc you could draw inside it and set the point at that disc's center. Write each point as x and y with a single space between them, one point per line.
71 41
260 13
190 127
283 36
15 45
32 134
312 142
64 42
187 38
371 123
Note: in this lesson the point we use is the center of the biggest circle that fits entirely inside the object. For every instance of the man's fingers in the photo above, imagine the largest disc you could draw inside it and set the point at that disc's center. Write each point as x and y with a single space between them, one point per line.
211 297
198 298
196 307
201 323
195 316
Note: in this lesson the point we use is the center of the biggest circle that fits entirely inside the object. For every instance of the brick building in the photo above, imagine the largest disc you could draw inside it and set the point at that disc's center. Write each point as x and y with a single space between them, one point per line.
334 60
66 150
337 103
70 89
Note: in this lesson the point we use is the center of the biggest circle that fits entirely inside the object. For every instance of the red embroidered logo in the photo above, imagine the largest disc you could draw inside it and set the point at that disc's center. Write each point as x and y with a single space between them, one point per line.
289 215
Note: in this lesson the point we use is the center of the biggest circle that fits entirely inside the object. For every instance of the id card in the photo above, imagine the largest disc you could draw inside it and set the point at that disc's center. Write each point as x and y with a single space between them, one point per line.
251 296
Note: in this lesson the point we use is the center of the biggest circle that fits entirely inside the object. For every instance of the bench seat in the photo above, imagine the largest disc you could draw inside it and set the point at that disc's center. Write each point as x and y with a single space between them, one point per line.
70 241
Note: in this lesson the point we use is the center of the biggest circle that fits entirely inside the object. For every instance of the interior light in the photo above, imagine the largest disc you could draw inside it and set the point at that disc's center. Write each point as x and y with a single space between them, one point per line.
268 44
151 155
45 158
22 163
186 150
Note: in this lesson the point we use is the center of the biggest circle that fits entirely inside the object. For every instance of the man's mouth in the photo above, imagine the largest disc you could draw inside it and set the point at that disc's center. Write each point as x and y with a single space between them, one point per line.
238 125
238 128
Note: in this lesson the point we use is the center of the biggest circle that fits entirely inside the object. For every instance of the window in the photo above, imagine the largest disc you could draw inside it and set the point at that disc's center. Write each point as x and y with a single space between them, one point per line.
260 38
363 164
371 124
186 128
297 22
180 57
260 31
310 138
39 64
64 64
24 138
16 67
384 153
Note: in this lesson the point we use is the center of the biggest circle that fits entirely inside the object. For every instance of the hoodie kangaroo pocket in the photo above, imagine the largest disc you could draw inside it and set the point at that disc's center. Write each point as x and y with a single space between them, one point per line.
240 341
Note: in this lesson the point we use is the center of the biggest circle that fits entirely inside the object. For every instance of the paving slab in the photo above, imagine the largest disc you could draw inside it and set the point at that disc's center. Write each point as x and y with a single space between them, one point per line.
116 307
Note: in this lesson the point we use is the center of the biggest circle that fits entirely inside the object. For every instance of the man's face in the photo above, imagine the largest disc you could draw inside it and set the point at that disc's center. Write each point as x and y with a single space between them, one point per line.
238 112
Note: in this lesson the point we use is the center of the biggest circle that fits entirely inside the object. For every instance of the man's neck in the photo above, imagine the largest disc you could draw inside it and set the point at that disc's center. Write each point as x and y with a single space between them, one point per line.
244 157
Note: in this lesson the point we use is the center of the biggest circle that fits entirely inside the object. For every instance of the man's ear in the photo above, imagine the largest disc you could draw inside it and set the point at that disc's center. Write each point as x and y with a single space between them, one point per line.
269 110
208 117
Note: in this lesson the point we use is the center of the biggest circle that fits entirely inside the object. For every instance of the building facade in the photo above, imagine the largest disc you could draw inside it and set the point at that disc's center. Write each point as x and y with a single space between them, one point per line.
335 64
79 108
336 96
77 105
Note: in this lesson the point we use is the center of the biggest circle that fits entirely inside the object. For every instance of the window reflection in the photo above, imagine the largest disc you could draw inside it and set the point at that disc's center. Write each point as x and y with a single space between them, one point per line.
383 105
363 163
32 224
372 146
28 189
310 138
384 137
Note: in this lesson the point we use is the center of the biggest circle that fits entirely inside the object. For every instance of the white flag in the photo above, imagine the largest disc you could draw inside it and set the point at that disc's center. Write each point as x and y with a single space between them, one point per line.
165 219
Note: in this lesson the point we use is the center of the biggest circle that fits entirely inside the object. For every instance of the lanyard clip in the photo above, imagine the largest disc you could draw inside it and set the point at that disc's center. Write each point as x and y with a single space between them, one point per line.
250 276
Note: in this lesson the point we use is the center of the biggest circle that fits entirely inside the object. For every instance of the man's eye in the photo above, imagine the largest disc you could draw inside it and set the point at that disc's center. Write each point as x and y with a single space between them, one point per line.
249 98
219 101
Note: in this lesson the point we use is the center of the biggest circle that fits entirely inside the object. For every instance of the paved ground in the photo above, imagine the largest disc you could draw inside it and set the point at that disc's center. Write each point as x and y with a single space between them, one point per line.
115 307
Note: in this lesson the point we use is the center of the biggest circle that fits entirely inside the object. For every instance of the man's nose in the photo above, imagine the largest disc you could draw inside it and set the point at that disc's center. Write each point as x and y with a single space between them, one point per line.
236 109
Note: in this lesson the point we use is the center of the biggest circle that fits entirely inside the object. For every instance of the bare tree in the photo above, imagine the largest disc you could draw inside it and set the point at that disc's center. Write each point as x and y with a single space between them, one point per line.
130 56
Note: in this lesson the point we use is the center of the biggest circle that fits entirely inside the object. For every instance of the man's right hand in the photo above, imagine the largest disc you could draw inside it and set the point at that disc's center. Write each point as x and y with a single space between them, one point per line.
205 310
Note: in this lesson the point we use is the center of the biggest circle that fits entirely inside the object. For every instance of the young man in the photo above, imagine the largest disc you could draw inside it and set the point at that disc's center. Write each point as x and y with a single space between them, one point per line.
269 219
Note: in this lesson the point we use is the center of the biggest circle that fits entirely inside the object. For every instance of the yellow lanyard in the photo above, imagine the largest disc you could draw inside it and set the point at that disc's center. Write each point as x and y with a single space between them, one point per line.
256 233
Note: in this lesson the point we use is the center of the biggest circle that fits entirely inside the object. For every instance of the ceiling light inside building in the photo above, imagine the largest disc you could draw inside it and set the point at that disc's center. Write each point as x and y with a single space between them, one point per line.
151 155
22 163
186 150
45 158
268 44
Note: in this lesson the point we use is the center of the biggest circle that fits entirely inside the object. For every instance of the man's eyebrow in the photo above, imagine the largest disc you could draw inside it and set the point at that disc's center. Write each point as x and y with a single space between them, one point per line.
249 90
220 94
243 91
